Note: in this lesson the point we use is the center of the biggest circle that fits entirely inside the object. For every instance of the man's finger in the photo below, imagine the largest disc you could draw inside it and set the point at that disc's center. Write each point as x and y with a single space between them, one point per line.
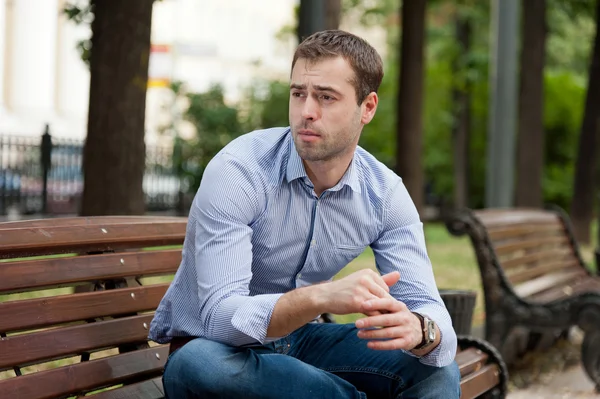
392 344
388 304
391 278
380 320
379 291
384 333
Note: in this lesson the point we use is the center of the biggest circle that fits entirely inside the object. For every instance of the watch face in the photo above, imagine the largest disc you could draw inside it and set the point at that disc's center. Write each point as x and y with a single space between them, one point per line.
431 331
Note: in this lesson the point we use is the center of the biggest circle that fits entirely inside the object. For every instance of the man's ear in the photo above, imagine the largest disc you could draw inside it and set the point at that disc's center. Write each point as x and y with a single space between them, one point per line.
369 106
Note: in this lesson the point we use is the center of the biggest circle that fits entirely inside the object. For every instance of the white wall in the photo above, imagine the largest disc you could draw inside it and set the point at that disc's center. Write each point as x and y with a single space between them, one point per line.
2 52
230 42
32 59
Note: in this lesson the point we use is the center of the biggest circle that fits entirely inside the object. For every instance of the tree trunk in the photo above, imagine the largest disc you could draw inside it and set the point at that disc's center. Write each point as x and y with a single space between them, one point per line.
461 130
114 154
409 141
530 161
333 14
584 184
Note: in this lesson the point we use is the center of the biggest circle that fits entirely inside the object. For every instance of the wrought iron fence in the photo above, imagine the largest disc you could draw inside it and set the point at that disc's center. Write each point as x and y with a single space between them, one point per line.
44 175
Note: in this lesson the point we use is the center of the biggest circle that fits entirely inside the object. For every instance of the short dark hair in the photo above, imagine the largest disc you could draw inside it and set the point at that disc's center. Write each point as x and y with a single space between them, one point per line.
362 57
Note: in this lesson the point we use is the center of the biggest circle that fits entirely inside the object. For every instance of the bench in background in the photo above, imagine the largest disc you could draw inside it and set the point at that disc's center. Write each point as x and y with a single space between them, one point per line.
534 279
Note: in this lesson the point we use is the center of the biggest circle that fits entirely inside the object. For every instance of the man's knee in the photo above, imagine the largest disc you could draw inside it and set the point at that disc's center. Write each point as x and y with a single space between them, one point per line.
198 368
447 379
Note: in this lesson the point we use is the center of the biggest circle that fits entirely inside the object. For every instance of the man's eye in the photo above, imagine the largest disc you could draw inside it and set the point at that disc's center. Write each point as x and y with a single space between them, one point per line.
326 97
296 94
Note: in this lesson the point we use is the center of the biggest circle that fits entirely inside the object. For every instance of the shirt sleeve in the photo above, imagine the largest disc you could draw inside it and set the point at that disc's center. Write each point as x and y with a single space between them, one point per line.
401 247
230 199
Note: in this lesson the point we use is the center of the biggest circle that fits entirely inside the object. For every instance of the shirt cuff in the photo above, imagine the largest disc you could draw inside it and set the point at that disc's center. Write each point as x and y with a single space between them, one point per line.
243 320
443 354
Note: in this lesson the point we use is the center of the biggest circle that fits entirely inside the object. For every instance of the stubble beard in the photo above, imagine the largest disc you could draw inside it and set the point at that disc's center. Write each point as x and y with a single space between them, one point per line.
327 148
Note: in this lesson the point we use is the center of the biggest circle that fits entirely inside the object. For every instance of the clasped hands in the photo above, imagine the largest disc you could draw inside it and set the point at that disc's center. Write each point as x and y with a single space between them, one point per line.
388 324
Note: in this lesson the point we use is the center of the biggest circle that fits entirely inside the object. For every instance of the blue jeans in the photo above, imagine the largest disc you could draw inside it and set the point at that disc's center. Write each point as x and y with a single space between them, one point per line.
315 361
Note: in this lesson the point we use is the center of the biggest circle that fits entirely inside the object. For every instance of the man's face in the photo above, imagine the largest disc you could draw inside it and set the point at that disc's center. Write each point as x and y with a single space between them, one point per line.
324 116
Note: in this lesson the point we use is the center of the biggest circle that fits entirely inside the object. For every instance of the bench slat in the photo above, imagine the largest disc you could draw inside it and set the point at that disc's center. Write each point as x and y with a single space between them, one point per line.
86 376
480 381
89 221
41 312
469 360
492 218
587 284
54 272
25 349
151 389
523 230
543 283
543 269
102 237
514 246
542 256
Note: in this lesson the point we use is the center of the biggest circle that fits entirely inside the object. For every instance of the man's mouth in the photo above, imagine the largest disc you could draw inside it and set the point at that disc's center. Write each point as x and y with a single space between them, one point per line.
308 135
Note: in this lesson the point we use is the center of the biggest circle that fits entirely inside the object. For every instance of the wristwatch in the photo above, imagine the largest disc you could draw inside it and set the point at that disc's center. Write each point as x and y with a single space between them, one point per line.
428 329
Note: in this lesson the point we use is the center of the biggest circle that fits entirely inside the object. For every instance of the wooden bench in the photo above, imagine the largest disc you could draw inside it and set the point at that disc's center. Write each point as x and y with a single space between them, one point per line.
534 279
77 297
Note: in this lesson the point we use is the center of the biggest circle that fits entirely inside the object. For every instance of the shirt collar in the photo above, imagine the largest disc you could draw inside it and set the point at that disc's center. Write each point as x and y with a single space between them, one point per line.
295 170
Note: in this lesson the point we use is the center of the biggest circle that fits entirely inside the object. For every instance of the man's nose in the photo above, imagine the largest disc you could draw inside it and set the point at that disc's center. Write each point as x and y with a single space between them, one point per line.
310 110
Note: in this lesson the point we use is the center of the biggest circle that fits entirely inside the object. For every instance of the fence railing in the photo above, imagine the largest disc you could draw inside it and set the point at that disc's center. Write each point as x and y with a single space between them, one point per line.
44 175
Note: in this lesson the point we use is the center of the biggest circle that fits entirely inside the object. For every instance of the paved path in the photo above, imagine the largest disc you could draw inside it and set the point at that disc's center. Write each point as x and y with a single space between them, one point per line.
572 383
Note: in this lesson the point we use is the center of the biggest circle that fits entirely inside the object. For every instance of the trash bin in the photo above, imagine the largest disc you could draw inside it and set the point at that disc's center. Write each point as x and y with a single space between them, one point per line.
460 305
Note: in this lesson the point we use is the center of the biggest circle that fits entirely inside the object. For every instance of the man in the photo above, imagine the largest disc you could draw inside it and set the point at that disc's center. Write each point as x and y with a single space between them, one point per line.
278 213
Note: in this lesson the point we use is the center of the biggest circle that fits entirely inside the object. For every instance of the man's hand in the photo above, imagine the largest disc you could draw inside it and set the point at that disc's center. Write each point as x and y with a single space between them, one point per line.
349 294
344 296
395 328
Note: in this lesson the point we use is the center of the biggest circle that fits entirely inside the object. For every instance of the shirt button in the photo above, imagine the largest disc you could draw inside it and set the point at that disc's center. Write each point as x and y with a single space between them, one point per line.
313 242
299 276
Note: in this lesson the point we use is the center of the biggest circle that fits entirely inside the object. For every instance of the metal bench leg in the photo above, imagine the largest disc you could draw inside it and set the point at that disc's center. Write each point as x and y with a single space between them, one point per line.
590 356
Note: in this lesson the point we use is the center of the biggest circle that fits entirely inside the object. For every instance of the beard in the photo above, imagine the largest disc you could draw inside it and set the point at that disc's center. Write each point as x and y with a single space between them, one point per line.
330 145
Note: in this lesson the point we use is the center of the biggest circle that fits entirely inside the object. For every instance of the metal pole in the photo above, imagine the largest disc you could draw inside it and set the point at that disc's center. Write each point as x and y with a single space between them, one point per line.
311 18
46 161
503 104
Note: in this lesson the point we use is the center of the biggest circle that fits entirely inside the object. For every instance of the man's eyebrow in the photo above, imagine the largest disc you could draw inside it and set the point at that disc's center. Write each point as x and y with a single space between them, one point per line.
327 88
296 86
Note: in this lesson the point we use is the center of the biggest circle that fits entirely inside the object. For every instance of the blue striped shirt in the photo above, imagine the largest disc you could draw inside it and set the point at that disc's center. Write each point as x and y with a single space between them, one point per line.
257 229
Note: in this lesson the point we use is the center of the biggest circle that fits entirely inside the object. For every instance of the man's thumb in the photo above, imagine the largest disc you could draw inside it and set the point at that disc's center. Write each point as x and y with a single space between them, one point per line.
391 278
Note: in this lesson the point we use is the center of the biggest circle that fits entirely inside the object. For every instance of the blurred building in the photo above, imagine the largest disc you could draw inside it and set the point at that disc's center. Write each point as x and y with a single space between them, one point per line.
43 80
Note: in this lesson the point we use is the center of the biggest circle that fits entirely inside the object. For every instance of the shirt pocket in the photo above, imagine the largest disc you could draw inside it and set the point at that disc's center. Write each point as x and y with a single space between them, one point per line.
347 253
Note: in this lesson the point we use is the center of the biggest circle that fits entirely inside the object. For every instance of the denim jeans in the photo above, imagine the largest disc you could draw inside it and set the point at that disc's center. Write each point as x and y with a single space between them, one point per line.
315 361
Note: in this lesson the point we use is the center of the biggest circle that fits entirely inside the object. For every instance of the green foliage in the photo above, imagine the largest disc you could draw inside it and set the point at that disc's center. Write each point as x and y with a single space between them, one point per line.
216 125
448 68
81 12
572 28
266 105
563 111
379 136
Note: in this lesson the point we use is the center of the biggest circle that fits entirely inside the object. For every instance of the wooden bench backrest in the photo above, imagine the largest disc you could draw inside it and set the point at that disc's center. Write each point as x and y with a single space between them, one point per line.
58 338
535 250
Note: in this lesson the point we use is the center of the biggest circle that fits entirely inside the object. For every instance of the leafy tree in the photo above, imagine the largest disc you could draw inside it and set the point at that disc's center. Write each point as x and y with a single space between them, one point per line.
114 153
216 124
585 168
